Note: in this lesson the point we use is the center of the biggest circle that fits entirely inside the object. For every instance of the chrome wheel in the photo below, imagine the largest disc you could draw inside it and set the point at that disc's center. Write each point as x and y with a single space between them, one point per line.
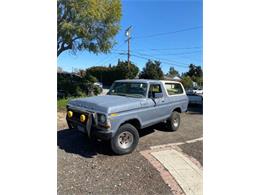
175 122
125 139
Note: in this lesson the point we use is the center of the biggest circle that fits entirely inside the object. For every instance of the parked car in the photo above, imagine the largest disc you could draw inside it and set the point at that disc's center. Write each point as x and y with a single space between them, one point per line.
99 84
198 91
195 91
129 106
195 98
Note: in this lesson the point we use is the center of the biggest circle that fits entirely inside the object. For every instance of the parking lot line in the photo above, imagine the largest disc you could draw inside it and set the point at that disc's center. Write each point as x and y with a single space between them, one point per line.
176 144
185 172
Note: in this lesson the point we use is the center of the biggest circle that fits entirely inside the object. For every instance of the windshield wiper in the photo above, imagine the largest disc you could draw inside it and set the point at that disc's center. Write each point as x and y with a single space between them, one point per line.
135 95
119 94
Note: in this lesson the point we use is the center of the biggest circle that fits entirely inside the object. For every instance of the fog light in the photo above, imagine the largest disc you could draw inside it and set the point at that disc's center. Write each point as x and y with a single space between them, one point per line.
70 114
82 118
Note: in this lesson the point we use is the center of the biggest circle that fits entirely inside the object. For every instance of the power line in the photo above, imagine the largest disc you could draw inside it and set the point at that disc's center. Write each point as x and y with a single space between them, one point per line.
110 56
167 54
166 33
113 57
190 58
162 59
163 49
177 48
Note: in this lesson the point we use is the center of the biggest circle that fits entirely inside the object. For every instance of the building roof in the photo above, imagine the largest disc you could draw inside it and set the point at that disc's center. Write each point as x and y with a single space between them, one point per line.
177 78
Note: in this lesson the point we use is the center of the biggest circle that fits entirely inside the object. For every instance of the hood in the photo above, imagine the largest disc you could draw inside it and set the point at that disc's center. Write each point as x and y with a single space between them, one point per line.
106 104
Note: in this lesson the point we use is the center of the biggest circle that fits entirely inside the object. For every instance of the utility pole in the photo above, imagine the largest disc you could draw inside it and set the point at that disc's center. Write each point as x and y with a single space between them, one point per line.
127 33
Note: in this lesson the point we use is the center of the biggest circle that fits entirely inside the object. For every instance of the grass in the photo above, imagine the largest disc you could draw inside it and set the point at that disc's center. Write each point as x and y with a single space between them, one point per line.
62 103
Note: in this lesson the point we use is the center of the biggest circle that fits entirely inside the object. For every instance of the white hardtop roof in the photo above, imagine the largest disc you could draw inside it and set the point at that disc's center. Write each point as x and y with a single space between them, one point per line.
146 81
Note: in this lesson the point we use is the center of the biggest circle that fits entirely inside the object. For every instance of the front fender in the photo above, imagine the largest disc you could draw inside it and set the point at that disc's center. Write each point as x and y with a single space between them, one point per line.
116 122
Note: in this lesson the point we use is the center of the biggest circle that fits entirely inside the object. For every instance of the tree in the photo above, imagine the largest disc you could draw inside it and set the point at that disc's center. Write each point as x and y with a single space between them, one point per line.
107 75
194 71
74 85
102 73
152 70
187 82
198 80
125 72
87 25
172 72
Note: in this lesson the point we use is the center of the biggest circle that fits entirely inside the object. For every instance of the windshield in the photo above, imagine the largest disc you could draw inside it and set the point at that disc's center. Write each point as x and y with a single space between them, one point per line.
137 90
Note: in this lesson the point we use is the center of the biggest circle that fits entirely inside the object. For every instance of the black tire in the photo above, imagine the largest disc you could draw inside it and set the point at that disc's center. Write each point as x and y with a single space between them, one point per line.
124 131
70 125
174 121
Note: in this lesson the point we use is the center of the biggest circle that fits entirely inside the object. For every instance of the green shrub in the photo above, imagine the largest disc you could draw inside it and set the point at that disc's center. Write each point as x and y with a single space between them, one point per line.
61 104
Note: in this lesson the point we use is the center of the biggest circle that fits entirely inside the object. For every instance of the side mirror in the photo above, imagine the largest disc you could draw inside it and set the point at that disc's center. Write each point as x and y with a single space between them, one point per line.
158 95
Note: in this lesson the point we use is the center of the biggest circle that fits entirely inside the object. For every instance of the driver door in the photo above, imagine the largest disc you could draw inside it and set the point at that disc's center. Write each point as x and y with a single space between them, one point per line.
153 104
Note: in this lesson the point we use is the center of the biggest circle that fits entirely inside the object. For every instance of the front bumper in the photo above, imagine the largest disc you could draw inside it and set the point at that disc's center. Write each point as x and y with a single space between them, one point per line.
100 134
90 129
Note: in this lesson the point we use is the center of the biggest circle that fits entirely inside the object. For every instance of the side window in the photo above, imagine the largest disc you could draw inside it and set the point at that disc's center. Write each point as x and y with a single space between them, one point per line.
173 88
154 88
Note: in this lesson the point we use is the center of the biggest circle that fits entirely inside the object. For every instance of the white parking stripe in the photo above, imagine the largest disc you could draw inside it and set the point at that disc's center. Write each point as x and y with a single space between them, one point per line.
176 144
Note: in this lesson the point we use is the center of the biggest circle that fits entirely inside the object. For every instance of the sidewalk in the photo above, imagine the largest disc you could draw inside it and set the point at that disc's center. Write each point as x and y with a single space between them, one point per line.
182 173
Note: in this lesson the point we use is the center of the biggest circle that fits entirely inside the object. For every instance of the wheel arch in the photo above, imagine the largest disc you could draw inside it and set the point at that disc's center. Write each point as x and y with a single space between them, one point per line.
177 109
134 121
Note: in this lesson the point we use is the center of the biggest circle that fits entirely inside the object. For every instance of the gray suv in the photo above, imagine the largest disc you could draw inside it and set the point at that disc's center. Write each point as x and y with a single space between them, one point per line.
128 107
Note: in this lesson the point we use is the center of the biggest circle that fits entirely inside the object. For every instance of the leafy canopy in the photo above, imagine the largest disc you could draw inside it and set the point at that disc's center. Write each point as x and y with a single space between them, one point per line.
172 72
152 70
126 72
195 73
187 82
107 75
87 25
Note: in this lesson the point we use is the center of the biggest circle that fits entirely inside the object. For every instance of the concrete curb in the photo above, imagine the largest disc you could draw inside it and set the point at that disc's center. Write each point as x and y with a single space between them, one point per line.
165 174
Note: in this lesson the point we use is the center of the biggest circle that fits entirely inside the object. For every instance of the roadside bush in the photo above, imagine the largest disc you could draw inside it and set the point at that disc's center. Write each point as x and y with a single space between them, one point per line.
97 90
71 85
107 75
79 92
187 82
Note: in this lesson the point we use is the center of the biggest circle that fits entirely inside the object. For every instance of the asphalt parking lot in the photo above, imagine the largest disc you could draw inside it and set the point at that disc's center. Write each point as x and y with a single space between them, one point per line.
89 167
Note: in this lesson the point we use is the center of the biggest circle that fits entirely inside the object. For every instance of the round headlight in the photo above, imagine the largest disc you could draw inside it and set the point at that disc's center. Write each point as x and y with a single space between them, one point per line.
102 118
70 114
82 118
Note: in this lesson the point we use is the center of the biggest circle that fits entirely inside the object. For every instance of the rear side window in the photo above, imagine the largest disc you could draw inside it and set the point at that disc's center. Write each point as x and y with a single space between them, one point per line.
174 88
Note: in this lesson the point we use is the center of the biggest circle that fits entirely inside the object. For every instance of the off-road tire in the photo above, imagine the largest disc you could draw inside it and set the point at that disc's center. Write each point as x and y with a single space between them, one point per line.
174 121
116 145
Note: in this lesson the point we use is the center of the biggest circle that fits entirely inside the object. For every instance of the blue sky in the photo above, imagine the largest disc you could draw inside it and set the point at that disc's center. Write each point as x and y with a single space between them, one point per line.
167 30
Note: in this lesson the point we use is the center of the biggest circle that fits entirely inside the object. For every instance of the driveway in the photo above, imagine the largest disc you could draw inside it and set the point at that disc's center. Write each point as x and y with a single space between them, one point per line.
89 167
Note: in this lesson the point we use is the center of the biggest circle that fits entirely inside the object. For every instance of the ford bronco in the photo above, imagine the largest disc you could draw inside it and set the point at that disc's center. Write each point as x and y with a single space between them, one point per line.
128 107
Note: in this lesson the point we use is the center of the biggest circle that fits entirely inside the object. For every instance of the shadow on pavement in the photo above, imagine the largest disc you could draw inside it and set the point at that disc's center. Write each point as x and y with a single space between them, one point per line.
195 109
73 141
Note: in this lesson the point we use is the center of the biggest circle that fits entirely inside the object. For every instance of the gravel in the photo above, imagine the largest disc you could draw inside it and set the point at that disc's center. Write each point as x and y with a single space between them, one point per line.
89 167
194 149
